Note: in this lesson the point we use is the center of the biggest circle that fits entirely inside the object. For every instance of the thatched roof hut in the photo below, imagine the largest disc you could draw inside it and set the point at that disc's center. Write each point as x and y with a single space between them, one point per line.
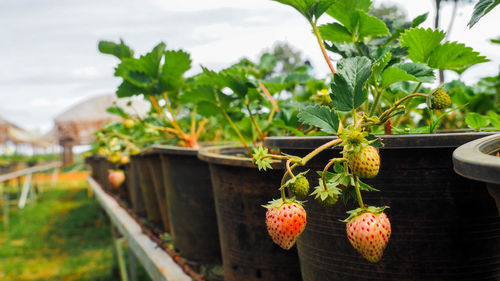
76 125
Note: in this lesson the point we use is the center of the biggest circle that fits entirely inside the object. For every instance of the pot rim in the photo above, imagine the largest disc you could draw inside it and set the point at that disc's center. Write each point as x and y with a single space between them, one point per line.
474 161
174 150
219 155
439 140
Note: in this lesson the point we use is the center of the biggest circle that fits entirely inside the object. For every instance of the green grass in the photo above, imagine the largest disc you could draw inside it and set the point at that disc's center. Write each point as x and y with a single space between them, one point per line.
63 236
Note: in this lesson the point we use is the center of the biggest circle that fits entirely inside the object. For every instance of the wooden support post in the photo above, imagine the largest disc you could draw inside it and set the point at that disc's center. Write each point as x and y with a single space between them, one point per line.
119 254
25 191
55 175
132 266
5 204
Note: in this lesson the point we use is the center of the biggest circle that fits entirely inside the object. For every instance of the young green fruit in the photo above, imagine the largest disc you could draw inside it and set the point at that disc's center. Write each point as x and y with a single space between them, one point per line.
440 99
369 233
366 163
128 123
124 159
114 158
116 178
329 201
285 222
300 187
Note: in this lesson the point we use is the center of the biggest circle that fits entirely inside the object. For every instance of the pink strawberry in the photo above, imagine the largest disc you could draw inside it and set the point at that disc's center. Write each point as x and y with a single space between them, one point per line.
368 231
285 222
366 163
116 178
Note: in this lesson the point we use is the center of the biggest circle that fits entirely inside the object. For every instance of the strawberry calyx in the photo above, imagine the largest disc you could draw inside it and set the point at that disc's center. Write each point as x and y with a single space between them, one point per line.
367 209
277 203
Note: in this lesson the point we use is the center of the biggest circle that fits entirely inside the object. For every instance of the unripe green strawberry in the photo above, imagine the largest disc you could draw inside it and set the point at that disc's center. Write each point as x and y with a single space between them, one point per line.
285 222
366 163
440 99
300 187
329 201
369 233
128 123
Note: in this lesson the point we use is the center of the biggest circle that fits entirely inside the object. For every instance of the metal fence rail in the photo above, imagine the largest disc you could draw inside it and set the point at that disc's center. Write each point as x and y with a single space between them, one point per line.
27 189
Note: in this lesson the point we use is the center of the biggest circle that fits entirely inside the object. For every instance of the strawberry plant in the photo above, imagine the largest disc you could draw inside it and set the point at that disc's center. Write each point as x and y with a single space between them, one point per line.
379 78
159 77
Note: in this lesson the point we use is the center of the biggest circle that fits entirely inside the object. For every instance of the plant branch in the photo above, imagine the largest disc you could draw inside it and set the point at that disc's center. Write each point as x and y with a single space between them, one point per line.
358 192
236 130
269 96
259 131
322 46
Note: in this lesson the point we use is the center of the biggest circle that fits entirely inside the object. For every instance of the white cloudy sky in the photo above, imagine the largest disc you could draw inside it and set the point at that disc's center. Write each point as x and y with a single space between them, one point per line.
49 59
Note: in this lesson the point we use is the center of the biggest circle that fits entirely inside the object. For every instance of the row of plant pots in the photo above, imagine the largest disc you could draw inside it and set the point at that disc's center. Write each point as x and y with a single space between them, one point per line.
445 227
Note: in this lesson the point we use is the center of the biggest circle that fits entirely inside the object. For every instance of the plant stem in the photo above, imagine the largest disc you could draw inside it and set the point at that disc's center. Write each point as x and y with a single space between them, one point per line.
193 122
323 175
319 149
376 101
240 136
268 95
358 192
261 135
322 46
431 125
174 122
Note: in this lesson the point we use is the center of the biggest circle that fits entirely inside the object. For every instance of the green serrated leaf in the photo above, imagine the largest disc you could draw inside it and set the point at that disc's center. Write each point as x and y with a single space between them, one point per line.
345 11
175 65
151 61
392 75
380 65
321 117
339 168
120 51
311 9
421 71
476 121
419 20
421 42
366 187
127 89
370 26
267 63
335 32
481 8
348 86
454 56
198 94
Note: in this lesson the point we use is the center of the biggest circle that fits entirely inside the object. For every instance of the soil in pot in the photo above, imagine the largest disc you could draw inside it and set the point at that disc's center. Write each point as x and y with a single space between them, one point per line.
240 190
190 204
444 227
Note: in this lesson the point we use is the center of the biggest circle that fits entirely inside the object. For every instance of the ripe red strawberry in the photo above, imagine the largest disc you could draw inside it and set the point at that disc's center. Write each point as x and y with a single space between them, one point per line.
285 222
116 178
366 163
368 231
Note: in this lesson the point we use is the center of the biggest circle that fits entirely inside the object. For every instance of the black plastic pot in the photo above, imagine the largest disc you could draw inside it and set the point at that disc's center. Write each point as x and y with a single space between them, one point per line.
153 163
444 227
477 160
91 162
190 201
145 176
102 170
134 189
240 190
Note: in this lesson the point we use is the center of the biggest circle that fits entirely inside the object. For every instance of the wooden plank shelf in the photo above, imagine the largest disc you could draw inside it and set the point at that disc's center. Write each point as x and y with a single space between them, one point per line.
159 265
